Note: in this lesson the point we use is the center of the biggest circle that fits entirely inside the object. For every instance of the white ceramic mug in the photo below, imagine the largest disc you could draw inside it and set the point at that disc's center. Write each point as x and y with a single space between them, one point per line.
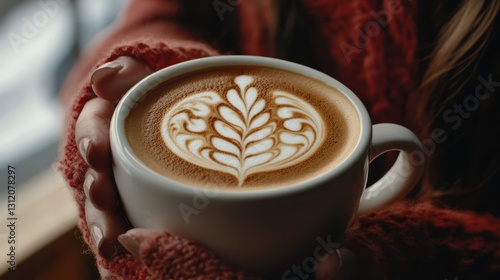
265 230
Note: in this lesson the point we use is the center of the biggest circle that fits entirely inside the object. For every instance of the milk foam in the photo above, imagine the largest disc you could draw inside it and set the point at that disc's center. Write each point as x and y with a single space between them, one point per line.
240 132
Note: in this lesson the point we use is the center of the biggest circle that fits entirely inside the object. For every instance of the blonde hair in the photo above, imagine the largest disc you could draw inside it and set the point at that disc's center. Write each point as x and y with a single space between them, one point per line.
459 45
451 66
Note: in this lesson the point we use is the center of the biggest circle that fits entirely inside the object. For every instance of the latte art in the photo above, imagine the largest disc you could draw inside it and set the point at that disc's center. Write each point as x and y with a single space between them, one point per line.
242 127
239 133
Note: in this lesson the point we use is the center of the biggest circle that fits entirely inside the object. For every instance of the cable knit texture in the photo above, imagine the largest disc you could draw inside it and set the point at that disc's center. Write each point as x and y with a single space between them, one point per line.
370 46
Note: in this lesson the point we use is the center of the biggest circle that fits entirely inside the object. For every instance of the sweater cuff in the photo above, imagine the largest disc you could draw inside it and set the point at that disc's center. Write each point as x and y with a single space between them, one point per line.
160 55
171 257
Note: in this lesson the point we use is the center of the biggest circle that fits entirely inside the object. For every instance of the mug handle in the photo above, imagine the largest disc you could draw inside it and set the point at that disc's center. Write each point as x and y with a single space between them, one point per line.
403 175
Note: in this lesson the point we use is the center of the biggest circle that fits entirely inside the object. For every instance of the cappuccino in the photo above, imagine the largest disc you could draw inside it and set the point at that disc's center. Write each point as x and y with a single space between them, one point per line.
242 127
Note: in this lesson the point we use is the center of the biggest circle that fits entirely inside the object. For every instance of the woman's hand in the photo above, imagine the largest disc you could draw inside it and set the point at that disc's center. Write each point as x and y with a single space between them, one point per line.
104 215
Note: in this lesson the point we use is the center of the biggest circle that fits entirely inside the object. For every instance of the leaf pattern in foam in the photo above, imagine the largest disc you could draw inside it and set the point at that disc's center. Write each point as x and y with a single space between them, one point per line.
240 133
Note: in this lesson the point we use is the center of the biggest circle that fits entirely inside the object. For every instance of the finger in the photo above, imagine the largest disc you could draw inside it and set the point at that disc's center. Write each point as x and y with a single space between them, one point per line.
113 79
101 190
105 227
339 266
92 133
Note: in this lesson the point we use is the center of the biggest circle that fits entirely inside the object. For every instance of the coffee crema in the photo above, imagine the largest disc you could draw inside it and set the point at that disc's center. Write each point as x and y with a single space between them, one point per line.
242 127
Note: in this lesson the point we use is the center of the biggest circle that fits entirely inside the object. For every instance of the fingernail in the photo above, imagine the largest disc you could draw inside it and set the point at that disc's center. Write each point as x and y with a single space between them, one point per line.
105 70
339 262
130 243
333 264
83 148
97 235
87 184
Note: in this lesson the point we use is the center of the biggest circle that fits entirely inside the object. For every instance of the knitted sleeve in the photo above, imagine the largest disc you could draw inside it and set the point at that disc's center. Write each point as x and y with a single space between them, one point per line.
420 241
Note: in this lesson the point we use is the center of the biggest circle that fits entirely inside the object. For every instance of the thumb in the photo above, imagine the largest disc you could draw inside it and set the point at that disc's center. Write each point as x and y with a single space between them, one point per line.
113 79
132 240
340 265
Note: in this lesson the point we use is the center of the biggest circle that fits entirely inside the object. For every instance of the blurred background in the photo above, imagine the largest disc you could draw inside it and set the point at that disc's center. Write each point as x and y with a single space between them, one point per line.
39 42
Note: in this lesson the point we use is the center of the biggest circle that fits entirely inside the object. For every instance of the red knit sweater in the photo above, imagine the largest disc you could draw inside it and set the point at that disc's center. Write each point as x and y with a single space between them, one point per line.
368 45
